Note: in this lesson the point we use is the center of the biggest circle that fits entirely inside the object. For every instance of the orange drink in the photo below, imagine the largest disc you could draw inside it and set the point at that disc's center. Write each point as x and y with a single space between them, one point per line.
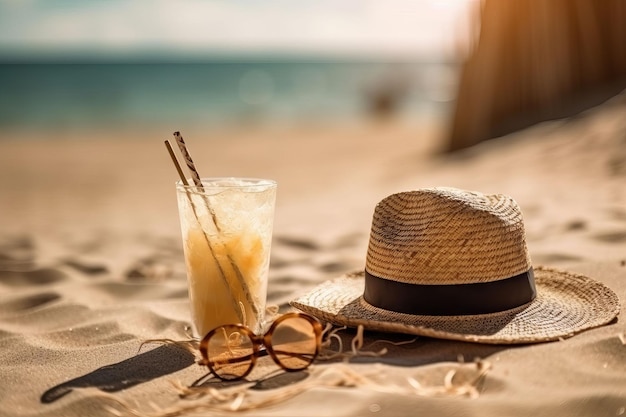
227 232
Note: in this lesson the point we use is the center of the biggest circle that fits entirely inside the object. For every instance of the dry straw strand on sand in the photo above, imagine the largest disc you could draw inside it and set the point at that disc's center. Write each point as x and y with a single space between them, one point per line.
449 388
240 398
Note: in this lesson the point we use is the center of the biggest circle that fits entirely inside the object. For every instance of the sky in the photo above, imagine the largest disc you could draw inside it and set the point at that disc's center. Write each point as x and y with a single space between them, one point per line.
387 28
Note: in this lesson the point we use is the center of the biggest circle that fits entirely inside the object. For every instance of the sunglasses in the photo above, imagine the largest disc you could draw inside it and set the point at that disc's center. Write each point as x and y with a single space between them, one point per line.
293 341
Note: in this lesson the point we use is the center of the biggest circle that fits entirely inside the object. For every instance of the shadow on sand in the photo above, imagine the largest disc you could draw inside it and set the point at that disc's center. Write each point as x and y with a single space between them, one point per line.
141 368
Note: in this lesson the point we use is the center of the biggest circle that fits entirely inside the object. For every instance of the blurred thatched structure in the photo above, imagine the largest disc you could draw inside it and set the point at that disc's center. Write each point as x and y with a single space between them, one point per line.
536 60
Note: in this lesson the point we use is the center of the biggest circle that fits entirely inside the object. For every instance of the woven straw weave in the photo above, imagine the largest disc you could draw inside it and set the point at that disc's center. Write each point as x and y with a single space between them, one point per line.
450 236
447 236
566 304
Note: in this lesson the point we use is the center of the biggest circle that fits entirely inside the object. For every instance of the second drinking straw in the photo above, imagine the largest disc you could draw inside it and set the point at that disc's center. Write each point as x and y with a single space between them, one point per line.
198 182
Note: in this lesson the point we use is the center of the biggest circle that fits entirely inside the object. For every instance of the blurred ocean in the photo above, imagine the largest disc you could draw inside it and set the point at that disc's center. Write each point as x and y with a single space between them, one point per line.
44 95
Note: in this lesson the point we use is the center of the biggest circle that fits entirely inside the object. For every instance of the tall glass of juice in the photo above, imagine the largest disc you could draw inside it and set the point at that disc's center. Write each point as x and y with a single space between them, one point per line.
226 227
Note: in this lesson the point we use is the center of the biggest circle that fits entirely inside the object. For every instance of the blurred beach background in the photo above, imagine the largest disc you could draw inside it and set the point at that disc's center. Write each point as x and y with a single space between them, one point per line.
89 91
109 92
342 102
331 99
70 65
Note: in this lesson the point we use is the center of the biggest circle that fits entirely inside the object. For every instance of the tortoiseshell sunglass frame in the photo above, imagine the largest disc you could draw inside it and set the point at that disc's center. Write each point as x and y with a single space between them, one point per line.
264 340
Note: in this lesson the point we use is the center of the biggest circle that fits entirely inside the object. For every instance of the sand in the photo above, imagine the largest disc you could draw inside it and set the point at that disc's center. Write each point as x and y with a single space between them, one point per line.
91 266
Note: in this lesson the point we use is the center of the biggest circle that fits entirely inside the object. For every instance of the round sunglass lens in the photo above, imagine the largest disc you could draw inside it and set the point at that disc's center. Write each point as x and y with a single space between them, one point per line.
230 352
294 343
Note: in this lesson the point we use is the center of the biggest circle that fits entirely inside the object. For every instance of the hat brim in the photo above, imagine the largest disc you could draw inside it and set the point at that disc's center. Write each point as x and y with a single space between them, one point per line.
566 304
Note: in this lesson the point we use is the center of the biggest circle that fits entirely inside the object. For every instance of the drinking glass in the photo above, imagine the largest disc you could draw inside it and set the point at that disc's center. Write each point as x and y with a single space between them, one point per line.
226 227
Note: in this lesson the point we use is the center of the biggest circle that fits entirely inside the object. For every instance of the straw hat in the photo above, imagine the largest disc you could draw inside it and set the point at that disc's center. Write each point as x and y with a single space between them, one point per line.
453 264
